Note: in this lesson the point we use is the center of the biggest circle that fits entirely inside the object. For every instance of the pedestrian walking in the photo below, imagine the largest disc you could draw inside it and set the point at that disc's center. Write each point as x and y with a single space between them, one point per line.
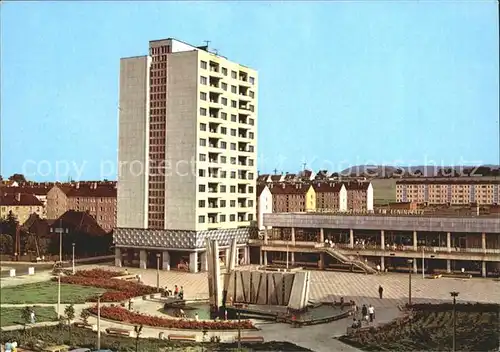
371 312
380 291
32 316
176 291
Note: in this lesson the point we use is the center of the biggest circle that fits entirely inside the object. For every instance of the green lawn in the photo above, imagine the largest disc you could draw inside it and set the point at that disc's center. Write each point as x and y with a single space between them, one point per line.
46 292
384 191
13 315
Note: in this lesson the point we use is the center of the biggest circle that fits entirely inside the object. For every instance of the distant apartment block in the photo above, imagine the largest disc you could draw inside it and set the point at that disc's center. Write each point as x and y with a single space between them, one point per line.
331 196
451 192
293 198
97 199
190 117
21 205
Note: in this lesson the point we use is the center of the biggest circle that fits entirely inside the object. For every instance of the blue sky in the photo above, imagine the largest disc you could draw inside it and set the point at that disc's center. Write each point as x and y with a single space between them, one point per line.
341 83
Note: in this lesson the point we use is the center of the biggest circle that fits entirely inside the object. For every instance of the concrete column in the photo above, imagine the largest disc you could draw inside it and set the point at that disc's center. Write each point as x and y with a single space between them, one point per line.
382 264
247 255
118 257
204 261
448 241
382 239
193 262
415 266
227 257
293 236
351 238
483 269
483 241
266 235
321 235
261 257
415 241
321 263
166 260
448 266
143 259
264 253
292 258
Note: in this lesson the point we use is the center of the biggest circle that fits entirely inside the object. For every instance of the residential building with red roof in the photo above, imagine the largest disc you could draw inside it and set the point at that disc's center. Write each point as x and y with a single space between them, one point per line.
292 198
97 199
264 204
330 196
22 205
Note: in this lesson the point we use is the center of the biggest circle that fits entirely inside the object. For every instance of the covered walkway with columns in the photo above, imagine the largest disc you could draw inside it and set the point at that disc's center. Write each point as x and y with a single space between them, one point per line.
171 259
407 241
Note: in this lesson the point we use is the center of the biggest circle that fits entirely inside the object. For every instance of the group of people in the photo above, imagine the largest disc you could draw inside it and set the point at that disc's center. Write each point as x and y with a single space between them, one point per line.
178 292
11 346
367 313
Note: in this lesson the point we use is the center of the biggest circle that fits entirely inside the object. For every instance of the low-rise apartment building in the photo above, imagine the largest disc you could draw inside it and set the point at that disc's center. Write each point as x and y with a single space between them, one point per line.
289 198
98 199
264 204
452 192
359 196
22 205
330 196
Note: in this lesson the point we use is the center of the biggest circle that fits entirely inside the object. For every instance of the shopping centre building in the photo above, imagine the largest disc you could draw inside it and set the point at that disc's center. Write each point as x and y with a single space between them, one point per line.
391 242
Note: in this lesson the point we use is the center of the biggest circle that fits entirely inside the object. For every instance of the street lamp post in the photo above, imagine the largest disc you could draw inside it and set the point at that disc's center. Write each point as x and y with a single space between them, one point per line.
58 295
410 262
454 294
73 258
239 329
60 230
98 323
158 272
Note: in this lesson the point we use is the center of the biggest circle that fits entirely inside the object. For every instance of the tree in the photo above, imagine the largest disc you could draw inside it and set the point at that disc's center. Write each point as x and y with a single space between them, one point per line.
26 318
6 244
84 315
138 331
19 178
9 224
69 313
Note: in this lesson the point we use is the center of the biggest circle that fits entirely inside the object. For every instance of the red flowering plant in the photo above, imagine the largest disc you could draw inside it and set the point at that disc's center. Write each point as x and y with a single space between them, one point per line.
98 273
126 316
118 290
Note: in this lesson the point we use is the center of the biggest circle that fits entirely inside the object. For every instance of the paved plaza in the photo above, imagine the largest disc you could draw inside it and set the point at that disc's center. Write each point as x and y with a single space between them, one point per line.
325 287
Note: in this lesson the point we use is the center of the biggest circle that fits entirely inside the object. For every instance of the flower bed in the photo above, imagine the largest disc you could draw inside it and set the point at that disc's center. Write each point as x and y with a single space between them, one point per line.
98 273
123 315
119 290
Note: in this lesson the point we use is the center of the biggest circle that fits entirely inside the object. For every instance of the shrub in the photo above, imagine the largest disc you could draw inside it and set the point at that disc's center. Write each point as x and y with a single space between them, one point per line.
119 290
123 315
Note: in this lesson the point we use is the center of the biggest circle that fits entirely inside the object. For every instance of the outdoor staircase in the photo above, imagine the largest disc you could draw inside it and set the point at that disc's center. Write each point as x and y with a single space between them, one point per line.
368 269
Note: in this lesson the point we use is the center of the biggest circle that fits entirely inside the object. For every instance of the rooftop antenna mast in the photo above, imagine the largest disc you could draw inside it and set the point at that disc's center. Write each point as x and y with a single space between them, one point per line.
207 42
304 166
275 171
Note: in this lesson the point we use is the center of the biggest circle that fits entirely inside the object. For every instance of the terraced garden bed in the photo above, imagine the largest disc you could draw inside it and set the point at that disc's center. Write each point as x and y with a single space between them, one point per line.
116 290
126 316
431 329
86 338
